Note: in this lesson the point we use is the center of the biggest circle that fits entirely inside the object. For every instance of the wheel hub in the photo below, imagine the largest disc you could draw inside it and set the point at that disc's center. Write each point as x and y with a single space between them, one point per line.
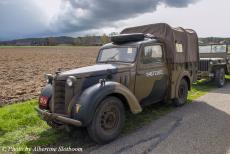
109 119
181 92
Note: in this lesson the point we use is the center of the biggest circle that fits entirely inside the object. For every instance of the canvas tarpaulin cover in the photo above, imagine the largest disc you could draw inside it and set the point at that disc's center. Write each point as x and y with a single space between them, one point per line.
181 44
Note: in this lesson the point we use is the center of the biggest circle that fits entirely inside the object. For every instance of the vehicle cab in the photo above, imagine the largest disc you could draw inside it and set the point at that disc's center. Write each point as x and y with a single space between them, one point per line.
146 59
214 63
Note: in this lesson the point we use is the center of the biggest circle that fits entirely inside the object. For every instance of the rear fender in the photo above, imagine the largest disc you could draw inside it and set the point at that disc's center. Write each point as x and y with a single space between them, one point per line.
86 104
185 75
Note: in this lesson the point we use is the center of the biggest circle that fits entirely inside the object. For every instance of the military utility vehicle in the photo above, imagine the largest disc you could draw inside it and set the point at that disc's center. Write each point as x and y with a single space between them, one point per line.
214 63
143 65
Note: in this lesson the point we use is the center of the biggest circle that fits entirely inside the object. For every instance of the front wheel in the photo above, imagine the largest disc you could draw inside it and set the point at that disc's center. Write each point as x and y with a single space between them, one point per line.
182 93
108 120
220 77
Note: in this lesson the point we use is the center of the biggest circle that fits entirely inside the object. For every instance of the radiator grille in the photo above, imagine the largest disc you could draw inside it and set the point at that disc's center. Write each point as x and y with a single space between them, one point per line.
203 65
59 97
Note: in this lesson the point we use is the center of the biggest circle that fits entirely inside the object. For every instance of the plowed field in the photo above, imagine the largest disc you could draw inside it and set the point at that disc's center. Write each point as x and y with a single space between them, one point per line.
22 69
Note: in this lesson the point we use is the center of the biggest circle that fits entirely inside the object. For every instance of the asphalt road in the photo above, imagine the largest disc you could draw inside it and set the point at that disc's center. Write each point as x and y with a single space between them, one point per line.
201 127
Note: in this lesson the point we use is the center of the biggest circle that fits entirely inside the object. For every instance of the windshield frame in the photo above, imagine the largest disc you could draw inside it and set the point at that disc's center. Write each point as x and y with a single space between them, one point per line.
117 61
211 52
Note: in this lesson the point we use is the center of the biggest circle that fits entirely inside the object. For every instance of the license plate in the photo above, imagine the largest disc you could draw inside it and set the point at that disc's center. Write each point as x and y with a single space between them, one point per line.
43 101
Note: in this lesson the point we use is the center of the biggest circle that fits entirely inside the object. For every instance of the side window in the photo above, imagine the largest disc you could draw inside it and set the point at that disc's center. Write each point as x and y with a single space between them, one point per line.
152 54
179 47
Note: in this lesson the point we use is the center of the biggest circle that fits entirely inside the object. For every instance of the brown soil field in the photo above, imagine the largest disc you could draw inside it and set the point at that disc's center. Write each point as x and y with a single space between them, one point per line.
22 69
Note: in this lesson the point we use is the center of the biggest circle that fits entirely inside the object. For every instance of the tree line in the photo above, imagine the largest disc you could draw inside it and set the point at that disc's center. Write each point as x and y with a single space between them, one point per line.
88 40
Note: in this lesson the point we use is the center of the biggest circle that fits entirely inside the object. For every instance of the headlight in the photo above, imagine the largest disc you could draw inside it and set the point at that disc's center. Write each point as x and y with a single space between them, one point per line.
211 62
49 78
70 81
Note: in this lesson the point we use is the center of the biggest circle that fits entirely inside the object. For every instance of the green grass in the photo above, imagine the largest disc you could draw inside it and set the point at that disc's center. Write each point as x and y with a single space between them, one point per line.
20 126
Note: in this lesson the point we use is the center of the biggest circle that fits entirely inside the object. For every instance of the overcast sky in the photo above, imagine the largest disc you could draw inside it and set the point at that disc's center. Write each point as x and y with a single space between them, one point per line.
40 18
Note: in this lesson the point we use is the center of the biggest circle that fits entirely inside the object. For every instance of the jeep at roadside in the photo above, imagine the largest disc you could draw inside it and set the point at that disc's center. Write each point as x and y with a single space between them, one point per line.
143 65
214 63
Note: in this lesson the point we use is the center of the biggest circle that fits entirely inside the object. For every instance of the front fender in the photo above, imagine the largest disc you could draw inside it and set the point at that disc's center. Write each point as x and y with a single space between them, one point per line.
92 96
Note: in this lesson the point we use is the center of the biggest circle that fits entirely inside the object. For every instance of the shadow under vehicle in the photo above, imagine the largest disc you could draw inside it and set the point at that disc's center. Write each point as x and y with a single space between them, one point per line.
214 63
143 65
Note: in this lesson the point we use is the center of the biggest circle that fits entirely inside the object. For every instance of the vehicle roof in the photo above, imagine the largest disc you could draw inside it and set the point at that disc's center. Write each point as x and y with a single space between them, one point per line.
133 43
173 38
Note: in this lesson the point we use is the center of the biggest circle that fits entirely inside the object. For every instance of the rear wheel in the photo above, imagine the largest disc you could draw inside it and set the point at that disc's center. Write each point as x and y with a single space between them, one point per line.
182 93
108 120
219 77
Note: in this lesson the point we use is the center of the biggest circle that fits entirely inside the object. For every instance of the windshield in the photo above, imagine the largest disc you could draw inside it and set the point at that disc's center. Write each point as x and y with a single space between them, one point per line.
213 49
124 54
205 49
219 48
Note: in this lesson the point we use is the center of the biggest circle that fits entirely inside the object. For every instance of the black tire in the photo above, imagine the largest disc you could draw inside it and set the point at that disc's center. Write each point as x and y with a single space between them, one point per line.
182 93
220 77
108 120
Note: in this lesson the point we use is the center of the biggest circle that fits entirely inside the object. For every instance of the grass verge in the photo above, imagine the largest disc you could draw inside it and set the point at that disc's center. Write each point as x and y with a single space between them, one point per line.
21 127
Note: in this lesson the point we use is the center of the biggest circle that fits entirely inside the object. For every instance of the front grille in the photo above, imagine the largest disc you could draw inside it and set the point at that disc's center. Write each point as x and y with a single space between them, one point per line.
59 97
203 65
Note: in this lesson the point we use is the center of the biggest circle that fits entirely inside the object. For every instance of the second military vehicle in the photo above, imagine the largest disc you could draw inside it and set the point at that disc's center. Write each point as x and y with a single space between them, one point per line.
143 65
214 63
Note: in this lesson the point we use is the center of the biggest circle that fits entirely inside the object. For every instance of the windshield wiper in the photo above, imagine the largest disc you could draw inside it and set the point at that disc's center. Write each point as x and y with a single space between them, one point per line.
113 57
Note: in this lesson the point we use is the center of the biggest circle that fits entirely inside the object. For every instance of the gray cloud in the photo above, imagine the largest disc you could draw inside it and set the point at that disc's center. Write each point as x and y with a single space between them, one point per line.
81 15
19 19
23 18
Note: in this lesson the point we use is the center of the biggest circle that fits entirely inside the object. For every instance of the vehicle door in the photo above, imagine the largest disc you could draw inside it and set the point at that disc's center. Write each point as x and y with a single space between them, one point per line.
152 74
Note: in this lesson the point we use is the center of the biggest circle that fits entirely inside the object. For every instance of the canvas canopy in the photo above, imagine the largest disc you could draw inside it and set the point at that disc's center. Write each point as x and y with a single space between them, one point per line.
181 44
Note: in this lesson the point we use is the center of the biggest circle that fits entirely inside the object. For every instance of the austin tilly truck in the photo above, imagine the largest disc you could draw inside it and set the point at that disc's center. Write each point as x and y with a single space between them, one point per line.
141 66
214 63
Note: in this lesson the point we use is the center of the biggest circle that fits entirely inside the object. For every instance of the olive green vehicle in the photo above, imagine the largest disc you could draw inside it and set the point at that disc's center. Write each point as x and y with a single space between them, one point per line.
143 65
214 63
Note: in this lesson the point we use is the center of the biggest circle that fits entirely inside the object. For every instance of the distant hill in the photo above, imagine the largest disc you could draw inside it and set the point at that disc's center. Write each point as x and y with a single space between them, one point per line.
86 40
62 40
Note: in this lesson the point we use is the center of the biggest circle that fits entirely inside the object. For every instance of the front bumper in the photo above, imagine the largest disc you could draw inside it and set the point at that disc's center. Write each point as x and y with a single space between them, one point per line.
52 116
204 75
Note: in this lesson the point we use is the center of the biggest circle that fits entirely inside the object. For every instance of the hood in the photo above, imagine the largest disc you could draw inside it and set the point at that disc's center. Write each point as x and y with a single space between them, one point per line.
214 59
94 70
